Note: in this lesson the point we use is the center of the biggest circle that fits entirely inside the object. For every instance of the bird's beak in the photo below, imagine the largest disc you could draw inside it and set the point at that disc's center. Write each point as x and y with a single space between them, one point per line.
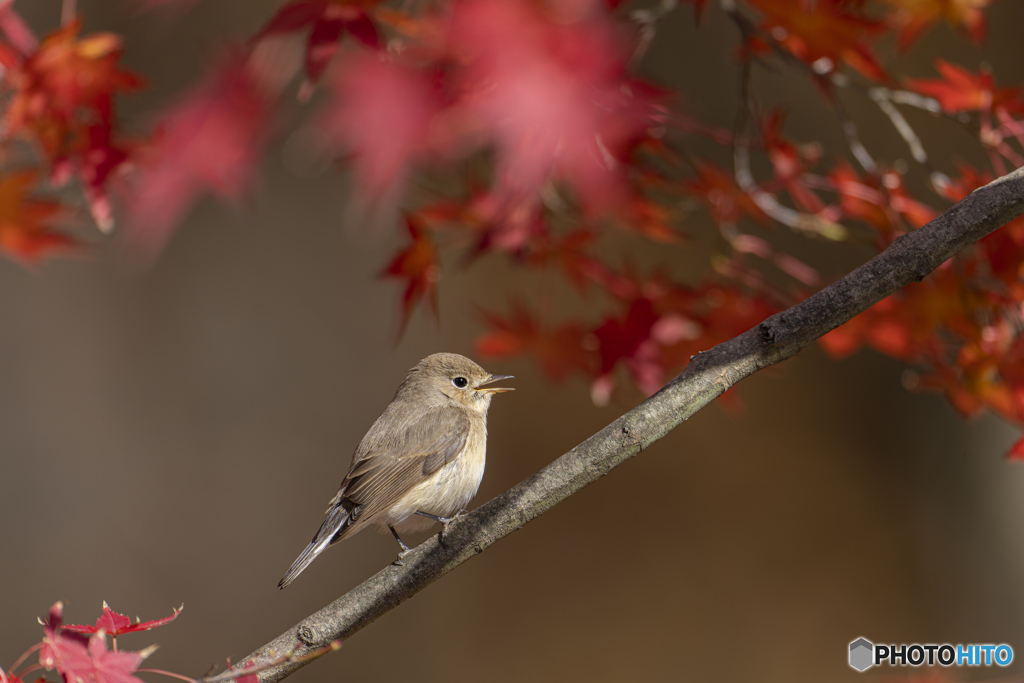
491 380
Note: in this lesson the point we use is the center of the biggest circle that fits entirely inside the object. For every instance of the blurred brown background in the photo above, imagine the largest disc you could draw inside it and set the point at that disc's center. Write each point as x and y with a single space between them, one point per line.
173 435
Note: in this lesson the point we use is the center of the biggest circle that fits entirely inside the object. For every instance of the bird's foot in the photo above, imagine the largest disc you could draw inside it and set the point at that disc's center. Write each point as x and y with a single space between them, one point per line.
405 549
446 522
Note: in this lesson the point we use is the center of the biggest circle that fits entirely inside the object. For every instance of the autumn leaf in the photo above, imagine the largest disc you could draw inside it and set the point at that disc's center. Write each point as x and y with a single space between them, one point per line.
1016 451
97 159
912 18
209 142
881 202
66 77
57 645
916 213
63 100
382 113
19 36
641 215
97 664
970 179
24 231
114 624
552 97
569 254
960 90
559 351
419 265
723 197
78 658
824 33
861 199
328 21
790 161
628 340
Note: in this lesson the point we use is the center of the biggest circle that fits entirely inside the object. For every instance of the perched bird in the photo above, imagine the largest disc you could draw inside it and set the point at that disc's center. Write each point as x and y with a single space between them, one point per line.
422 460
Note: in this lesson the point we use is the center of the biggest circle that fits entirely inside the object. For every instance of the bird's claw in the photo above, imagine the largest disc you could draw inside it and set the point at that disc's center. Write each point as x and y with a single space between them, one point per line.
446 522
398 560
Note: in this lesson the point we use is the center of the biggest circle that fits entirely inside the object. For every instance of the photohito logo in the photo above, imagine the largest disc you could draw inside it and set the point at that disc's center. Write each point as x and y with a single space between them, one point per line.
864 654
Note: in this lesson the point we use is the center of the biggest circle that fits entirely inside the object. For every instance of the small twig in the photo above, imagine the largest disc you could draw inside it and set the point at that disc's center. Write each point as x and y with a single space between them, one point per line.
722 136
880 96
67 12
802 222
168 673
23 657
647 20
857 148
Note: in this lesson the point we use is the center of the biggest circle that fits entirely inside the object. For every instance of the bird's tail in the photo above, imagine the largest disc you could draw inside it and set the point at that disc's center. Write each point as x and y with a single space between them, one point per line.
337 519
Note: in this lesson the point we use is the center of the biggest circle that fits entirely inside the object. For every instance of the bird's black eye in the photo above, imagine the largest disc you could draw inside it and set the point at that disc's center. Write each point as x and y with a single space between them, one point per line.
460 382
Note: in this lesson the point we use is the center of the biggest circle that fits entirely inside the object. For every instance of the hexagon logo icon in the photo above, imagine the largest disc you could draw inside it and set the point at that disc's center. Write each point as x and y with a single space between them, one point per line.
862 654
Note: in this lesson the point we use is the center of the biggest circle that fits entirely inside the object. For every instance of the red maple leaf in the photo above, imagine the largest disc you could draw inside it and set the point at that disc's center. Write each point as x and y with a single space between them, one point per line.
824 33
905 325
955 189
328 22
419 265
628 340
97 158
860 198
1003 250
570 254
382 113
790 162
82 659
641 215
718 189
96 664
912 18
551 96
879 204
960 90
209 142
916 213
559 351
1016 451
64 100
66 82
24 231
22 42
114 624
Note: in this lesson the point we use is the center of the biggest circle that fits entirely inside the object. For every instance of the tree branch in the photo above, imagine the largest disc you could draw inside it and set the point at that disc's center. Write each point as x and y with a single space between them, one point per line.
909 259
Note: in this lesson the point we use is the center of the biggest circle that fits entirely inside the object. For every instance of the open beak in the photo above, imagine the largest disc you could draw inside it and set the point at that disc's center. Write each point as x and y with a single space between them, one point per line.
491 380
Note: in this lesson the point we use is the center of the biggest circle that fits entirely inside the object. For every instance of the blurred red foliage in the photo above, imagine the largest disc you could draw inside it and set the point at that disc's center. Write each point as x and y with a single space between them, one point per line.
531 114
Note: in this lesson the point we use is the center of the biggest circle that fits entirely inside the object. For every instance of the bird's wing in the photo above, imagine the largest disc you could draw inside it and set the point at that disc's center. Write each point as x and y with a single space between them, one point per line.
390 464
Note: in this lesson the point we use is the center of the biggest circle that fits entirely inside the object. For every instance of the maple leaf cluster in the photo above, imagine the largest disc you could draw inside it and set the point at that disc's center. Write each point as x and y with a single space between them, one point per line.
60 102
529 115
79 653
960 326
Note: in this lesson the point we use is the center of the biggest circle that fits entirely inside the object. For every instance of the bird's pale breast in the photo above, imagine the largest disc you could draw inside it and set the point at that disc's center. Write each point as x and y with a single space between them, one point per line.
446 491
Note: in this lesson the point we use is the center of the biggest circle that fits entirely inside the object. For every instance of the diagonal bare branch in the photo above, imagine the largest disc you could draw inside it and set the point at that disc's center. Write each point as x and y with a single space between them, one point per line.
909 259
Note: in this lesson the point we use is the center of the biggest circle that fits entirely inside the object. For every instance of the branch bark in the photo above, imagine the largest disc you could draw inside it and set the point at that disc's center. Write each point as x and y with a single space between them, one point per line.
909 259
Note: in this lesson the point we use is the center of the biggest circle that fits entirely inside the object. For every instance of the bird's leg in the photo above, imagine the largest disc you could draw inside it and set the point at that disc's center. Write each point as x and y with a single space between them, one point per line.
445 521
405 548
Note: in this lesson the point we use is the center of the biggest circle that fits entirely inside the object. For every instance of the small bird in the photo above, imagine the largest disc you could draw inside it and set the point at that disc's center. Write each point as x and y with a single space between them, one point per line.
422 460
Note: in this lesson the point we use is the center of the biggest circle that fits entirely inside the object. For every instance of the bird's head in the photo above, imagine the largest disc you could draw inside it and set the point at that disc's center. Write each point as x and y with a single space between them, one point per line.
460 379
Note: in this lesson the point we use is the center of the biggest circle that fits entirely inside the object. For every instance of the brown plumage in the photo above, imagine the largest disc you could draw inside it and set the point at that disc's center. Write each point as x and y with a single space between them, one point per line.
421 461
